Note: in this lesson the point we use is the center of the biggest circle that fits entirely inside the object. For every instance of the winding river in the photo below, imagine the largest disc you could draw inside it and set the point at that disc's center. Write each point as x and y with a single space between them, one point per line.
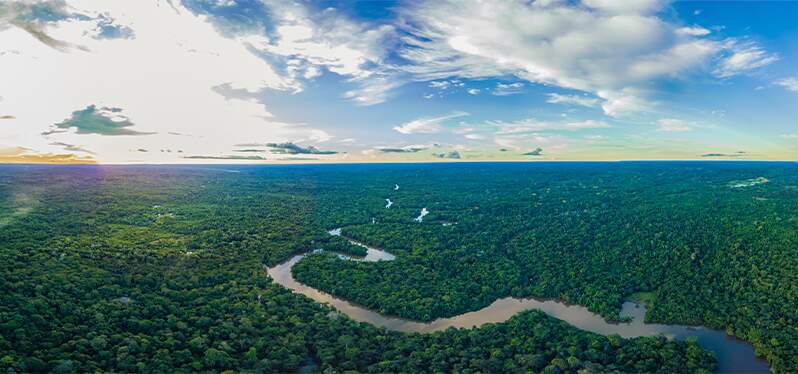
734 355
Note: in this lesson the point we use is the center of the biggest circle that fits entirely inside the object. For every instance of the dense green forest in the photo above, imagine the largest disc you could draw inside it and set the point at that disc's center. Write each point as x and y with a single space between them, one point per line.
161 268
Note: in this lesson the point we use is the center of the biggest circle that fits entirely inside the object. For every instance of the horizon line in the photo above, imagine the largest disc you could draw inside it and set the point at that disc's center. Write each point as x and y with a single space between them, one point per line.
338 162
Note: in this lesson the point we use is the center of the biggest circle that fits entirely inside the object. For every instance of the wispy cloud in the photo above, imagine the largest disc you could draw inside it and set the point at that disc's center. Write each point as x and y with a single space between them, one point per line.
226 157
737 154
743 56
533 125
790 83
428 125
505 89
405 149
555 98
673 125
72 147
372 91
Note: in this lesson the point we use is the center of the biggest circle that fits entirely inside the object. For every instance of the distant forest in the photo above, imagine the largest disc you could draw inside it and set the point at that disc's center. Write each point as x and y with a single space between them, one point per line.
161 269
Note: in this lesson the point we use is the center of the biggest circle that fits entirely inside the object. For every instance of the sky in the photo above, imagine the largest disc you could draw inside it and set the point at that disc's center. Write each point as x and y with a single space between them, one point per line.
275 81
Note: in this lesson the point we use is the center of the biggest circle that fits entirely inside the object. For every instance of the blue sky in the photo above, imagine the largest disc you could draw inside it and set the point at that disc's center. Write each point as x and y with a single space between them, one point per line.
254 81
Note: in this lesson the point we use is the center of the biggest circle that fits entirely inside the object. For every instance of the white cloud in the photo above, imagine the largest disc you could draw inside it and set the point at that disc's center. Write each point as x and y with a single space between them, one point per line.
372 91
623 101
790 83
169 77
790 136
673 125
473 91
612 49
526 133
533 125
693 31
474 136
440 85
505 89
555 98
331 41
326 40
429 125
527 141
626 7
742 57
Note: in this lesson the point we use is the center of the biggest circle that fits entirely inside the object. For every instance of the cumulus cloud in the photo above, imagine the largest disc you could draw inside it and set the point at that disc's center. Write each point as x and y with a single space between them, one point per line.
314 40
291 148
473 91
790 83
535 152
183 90
428 125
450 155
555 98
100 121
611 49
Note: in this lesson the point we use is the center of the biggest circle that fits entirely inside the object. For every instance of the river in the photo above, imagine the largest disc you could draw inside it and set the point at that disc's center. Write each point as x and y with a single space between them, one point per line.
734 355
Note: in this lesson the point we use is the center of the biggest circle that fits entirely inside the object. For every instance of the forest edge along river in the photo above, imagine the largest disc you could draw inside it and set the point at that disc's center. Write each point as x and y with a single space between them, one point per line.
734 355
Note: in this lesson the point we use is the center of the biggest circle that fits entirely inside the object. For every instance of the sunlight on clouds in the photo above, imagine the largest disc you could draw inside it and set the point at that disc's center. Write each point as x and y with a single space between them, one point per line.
612 49
330 41
163 78
121 81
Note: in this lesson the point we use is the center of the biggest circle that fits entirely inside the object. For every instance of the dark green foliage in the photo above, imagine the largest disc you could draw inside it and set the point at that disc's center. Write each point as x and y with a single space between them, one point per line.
591 234
160 269
341 245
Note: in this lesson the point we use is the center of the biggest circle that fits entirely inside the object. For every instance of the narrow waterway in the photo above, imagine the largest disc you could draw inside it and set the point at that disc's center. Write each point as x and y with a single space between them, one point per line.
734 355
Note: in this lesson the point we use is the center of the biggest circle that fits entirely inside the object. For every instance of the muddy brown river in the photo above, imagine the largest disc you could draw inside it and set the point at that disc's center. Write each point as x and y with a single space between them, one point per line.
734 355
